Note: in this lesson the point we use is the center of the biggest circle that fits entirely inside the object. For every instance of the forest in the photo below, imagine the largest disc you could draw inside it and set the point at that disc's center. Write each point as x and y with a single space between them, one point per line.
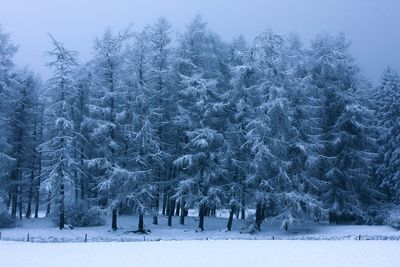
158 123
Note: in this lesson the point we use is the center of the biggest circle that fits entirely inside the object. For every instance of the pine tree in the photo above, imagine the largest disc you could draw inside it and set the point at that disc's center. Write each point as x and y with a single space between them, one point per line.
387 106
27 123
80 116
147 157
59 145
20 122
7 51
279 155
160 67
197 112
346 140
240 112
104 108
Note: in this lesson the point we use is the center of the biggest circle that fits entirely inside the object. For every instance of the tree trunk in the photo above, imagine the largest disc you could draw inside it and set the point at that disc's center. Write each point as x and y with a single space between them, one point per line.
20 202
170 214
178 207
30 196
201 217
141 222
168 205
243 206
76 186
37 197
230 219
164 203
8 204
20 194
14 196
172 206
114 220
14 203
155 218
83 180
48 207
182 218
37 187
82 186
258 216
62 207
156 209
243 213
157 198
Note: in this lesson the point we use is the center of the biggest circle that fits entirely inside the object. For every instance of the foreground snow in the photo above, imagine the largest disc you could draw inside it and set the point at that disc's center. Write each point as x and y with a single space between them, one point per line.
43 230
230 253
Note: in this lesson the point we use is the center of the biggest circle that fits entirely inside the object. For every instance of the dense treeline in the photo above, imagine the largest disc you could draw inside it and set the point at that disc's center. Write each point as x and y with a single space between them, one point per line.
153 124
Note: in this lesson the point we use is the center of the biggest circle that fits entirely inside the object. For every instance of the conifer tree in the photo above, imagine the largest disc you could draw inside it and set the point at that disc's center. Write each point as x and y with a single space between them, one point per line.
60 162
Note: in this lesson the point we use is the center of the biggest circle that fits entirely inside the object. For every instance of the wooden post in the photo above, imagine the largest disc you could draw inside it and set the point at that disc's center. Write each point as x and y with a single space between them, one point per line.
0 235
85 238
144 238
273 237
27 238
359 237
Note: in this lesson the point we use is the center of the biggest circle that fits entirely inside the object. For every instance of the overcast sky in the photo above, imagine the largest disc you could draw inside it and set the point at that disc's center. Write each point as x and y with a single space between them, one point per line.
373 26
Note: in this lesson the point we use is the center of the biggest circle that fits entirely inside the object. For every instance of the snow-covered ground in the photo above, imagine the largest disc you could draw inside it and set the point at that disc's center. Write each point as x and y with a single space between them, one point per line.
213 247
280 253
43 230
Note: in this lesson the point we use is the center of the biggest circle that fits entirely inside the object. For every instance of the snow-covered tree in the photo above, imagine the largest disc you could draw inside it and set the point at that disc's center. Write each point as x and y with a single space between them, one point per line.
160 38
197 123
21 122
105 104
387 106
146 156
60 161
7 51
197 117
346 140
81 121
278 153
239 111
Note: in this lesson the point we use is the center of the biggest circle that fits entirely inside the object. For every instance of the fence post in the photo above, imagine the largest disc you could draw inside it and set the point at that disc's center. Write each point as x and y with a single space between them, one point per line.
144 238
0 235
273 237
85 238
27 238
359 237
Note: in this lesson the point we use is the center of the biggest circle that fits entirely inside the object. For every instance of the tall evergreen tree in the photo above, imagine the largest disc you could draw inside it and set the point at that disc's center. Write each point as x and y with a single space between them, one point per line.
279 157
346 139
59 145
7 51
105 105
387 106
21 123
239 113
197 112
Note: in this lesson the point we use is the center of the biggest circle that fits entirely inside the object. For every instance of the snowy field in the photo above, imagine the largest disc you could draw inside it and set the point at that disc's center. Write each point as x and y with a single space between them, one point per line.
306 244
277 253
44 230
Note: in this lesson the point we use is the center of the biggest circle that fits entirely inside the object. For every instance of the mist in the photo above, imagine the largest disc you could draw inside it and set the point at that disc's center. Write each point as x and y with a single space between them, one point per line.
371 26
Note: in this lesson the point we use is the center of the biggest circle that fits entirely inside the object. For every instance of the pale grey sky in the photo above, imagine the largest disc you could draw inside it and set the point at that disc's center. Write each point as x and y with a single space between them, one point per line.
373 26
